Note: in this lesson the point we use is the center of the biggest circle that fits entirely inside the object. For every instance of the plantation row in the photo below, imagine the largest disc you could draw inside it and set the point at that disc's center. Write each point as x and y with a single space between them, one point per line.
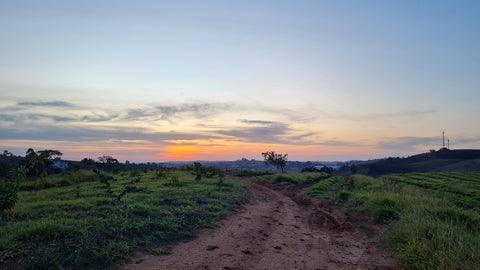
463 190
434 218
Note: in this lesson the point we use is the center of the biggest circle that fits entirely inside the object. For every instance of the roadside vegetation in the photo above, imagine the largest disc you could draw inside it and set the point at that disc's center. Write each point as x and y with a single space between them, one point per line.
434 218
87 219
285 179
319 189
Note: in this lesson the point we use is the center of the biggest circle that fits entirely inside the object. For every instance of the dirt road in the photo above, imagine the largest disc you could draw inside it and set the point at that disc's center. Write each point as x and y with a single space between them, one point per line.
279 228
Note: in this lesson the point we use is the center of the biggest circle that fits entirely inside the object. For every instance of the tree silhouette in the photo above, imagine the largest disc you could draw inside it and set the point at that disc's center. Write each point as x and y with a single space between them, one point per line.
108 162
277 160
37 160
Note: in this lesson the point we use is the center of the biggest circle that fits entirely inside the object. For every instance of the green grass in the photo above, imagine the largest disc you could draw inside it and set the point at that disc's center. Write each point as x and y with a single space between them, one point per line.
323 186
72 223
285 179
433 217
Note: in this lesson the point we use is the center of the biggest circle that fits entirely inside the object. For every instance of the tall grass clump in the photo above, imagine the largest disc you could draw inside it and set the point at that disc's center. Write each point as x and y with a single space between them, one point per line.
427 228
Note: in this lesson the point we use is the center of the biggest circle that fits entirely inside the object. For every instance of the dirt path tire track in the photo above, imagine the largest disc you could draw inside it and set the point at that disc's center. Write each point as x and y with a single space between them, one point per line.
279 228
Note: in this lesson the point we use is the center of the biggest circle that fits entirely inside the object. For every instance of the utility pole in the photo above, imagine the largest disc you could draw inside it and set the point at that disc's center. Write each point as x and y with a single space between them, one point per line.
443 138
448 141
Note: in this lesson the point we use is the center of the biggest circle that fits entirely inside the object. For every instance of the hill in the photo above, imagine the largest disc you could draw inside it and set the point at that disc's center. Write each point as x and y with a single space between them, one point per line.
443 160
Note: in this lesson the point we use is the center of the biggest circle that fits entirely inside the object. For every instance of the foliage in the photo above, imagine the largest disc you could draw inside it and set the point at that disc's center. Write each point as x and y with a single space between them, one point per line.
280 179
173 181
434 217
198 170
323 185
353 169
106 180
250 173
108 162
324 169
7 153
9 188
88 162
277 160
56 229
37 160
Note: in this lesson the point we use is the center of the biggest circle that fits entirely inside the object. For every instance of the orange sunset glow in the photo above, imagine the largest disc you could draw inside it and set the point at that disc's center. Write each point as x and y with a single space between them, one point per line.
315 80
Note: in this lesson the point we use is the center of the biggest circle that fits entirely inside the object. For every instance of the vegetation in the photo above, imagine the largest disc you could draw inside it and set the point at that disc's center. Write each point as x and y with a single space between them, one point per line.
250 173
434 217
82 219
9 189
37 160
281 179
277 160
325 185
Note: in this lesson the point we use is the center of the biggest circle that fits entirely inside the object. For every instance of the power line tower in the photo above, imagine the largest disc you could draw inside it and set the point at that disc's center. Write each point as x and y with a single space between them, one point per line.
443 138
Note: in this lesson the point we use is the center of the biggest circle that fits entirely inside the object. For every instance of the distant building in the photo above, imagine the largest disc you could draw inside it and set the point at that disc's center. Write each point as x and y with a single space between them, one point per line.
59 164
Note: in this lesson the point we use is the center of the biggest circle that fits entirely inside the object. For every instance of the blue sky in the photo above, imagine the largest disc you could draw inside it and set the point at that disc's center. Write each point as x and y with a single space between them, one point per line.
160 80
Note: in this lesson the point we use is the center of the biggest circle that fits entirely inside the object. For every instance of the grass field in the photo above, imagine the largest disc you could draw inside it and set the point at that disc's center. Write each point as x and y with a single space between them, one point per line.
70 221
74 220
285 179
434 218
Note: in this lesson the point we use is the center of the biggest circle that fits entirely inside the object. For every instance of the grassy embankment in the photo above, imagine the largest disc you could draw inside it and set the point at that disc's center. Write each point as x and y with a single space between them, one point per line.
284 179
71 222
433 218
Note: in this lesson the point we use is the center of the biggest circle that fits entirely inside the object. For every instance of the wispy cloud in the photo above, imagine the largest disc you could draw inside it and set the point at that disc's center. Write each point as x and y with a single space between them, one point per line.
46 104
98 133
258 131
99 118
257 122
170 112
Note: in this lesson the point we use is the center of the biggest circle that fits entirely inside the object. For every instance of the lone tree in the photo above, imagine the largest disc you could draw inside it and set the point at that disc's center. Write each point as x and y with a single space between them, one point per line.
108 162
277 160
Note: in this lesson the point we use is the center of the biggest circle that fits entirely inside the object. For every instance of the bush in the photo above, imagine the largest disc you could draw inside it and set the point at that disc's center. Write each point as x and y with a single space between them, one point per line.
9 188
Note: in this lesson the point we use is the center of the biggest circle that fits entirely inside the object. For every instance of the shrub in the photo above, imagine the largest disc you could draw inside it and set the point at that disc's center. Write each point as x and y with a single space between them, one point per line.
9 188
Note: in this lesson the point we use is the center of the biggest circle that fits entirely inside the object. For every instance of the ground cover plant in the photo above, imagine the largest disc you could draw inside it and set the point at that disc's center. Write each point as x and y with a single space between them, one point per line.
285 179
325 185
434 217
83 219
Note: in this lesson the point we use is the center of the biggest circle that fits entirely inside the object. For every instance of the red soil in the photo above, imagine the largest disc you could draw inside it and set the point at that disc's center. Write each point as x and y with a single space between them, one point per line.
280 228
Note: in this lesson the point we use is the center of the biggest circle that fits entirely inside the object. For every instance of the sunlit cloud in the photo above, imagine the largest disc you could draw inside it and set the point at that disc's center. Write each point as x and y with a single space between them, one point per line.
193 131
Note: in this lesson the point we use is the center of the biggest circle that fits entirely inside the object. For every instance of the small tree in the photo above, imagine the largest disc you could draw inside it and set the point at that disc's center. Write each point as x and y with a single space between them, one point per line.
37 159
108 162
277 160
9 189
198 170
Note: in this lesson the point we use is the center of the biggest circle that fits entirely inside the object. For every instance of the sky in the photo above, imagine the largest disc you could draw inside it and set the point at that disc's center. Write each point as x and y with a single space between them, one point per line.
224 80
